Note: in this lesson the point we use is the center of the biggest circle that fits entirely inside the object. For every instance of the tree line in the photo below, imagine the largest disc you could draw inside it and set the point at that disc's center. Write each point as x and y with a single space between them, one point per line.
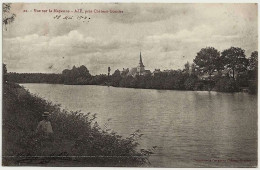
227 71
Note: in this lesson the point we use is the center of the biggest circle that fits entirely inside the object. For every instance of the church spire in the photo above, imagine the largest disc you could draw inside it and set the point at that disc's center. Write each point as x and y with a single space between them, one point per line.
140 58
141 62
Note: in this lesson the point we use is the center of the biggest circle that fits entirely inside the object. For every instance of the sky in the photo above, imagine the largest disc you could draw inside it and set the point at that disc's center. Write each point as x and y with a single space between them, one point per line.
168 35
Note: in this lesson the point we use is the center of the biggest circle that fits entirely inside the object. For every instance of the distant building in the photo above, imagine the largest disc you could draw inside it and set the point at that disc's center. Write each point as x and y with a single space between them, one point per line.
206 76
139 70
125 72
168 71
156 71
229 73
224 73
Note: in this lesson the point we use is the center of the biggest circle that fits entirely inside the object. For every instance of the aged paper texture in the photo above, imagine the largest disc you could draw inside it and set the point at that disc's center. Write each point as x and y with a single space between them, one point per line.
130 84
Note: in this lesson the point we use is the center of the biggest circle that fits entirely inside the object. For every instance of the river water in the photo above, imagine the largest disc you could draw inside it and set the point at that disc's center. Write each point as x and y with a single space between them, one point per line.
190 129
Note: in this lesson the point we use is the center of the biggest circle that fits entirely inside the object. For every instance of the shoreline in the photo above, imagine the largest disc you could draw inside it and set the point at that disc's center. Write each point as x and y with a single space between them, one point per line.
142 88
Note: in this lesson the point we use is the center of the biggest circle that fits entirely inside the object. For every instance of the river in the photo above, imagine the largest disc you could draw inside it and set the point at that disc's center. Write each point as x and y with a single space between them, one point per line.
189 128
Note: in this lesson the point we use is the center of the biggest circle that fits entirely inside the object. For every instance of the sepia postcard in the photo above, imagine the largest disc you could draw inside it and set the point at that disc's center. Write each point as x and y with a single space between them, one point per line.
169 85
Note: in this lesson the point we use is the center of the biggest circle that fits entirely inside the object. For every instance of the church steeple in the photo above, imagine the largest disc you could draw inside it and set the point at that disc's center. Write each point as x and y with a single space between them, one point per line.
141 62
140 68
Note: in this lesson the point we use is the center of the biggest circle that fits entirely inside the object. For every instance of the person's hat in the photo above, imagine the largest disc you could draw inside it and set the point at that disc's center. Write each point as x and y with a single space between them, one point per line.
45 114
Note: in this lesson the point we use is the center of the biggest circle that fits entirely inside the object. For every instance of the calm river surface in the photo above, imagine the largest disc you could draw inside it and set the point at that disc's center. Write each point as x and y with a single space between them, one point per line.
191 129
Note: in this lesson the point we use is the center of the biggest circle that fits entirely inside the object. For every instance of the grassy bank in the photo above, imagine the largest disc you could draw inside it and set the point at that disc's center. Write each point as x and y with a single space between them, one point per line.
78 140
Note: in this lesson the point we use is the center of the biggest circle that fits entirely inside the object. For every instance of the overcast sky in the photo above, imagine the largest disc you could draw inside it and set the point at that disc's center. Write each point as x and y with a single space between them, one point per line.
168 35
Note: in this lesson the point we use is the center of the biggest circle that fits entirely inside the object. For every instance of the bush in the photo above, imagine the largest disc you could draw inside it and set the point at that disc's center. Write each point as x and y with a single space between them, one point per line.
253 88
191 82
226 84
242 80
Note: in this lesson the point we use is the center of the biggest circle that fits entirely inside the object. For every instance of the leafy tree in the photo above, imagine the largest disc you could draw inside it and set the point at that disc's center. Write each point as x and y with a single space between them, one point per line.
4 72
34 78
253 87
187 67
7 16
140 81
84 72
219 63
226 84
169 82
193 69
180 80
99 79
128 81
4 69
115 78
242 80
253 66
253 61
235 59
76 75
208 60
190 82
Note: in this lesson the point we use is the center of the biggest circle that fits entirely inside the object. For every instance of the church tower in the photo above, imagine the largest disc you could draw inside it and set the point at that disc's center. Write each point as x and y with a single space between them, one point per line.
140 67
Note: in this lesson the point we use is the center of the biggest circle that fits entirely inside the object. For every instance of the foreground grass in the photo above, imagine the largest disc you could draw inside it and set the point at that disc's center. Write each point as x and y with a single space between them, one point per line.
78 140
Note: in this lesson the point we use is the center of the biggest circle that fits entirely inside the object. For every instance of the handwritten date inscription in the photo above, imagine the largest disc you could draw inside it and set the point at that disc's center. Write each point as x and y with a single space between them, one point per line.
67 17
